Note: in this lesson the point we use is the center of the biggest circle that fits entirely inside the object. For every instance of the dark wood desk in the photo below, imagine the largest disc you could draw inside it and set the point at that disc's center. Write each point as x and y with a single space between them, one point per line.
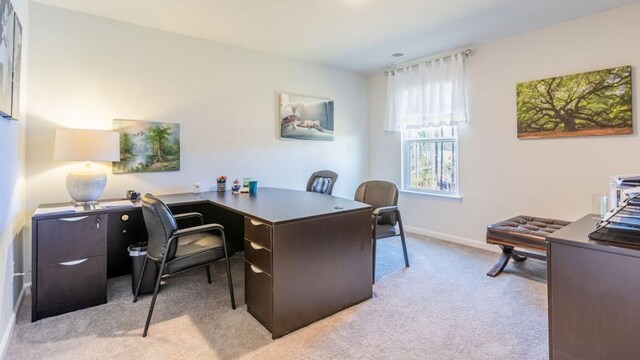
594 295
307 255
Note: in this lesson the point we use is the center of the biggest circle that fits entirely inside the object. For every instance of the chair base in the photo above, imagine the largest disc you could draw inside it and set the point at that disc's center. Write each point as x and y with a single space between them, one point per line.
159 279
404 245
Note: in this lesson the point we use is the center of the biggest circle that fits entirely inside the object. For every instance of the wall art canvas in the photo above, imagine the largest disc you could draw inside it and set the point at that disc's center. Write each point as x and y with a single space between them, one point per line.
6 56
306 118
17 61
147 146
585 104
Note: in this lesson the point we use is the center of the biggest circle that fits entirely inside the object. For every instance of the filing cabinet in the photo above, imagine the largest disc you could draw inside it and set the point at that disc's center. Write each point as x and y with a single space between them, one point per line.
291 267
257 271
69 264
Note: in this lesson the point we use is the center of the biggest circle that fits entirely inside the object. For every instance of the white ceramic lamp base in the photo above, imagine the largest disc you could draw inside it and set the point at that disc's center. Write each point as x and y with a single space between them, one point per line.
86 184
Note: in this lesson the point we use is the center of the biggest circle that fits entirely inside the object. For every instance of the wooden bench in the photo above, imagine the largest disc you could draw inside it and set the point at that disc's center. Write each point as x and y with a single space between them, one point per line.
523 232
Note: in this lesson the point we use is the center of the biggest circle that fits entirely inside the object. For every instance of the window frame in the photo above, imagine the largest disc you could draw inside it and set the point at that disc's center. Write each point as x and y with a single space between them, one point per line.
406 168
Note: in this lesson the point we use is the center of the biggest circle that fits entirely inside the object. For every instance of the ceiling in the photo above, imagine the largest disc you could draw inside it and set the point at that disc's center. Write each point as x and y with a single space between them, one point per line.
357 35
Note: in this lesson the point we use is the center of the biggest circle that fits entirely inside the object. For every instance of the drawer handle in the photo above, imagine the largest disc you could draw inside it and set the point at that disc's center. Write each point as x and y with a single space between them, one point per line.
74 218
256 270
74 262
255 246
256 223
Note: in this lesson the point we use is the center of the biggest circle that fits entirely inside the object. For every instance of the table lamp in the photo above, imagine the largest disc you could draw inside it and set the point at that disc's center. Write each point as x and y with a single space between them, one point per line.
85 184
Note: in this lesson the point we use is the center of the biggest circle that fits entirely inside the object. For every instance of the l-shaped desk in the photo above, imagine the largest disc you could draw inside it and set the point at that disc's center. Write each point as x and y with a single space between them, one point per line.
307 255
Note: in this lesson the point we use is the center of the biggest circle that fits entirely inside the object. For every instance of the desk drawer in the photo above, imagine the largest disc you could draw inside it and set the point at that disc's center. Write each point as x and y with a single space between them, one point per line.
73 282
258 294
71 238
257 232
257 255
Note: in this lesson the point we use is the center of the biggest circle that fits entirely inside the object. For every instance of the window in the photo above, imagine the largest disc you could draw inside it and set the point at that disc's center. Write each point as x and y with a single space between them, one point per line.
430 160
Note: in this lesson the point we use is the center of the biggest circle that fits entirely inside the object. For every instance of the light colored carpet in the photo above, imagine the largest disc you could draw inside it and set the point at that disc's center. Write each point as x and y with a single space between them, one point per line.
442 307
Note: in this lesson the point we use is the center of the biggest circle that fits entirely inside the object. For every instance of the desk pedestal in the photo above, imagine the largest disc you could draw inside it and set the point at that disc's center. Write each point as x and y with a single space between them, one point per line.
317 267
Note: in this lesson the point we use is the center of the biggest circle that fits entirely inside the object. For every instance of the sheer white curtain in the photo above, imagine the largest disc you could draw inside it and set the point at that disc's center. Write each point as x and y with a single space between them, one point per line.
427 94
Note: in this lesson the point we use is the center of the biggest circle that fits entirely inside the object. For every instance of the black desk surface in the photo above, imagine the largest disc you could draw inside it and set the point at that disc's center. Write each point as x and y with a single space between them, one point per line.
273 206
270 205
576 234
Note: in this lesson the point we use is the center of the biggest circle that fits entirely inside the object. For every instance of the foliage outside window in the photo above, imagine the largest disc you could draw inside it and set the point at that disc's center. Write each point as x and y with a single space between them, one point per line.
430 160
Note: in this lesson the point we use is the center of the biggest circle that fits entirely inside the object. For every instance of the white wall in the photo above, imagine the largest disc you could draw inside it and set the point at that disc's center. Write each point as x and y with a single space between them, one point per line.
87 71
501 176
12 195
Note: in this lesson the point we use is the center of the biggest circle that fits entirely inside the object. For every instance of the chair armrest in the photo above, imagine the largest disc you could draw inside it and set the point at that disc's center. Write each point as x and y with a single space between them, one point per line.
188 216
197 229
384 210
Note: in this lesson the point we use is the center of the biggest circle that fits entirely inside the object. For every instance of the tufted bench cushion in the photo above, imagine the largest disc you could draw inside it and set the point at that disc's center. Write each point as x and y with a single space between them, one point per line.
522 232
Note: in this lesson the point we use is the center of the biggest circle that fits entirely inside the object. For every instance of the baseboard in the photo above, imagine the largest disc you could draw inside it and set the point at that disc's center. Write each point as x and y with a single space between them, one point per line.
451 238
12 322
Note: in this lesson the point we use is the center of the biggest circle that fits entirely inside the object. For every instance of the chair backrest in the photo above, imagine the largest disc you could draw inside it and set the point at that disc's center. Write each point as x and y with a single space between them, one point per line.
322 182
160 225
379 193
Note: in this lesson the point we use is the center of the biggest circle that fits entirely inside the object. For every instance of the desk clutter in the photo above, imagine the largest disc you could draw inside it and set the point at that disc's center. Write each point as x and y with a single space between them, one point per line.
621 224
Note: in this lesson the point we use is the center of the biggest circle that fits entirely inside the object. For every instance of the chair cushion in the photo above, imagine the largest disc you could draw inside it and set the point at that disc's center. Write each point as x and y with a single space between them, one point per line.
379 193
320 184
385 231
524 230
195 250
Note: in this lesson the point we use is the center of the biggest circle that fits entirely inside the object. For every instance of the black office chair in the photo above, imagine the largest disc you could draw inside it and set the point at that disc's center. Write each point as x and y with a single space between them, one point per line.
322 182
386 221
178 251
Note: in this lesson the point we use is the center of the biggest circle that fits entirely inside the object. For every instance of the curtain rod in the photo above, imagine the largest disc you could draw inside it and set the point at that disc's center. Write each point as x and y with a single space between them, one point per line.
465 52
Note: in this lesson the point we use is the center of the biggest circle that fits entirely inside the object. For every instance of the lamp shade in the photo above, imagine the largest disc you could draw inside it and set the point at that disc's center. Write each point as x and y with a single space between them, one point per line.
86 145
85 185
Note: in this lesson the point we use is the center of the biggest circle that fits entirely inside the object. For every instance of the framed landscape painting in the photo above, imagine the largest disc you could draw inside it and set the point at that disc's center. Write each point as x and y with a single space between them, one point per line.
147 146
585 104
306 118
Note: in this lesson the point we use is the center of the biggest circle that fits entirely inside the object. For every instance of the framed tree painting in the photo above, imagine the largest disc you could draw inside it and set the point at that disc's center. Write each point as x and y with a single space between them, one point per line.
585 104
147 146
306 118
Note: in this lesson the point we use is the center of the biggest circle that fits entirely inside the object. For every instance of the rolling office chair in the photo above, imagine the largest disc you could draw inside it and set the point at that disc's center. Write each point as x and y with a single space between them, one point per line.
383 196
178 251
322 182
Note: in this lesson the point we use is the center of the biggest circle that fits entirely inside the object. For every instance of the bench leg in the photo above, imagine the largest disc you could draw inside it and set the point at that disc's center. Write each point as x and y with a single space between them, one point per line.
517 256
502 261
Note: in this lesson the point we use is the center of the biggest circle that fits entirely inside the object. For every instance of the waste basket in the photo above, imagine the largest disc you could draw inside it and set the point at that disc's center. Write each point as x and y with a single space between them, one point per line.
138 252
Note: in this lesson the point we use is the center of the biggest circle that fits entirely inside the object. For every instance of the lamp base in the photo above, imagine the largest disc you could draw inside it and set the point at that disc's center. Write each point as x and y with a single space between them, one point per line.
86 204
86 184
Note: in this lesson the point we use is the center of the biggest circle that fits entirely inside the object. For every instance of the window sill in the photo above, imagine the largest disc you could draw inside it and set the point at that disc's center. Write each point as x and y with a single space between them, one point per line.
441 197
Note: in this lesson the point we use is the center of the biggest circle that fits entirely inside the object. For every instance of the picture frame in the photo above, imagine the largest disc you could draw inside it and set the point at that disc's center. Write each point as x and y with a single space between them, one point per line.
593 103
306 117
10 61
7 23
147 146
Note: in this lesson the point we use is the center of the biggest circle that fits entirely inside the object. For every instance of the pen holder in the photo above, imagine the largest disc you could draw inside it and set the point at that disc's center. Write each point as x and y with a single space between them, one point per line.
222 186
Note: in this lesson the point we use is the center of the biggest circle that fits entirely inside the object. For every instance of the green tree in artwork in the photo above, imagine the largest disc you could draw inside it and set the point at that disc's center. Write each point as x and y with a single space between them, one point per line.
593 100
158 138
126 146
